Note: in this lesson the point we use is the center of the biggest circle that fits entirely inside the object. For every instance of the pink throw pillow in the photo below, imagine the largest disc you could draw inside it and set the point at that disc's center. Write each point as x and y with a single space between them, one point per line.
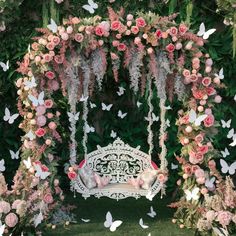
136 182
101 181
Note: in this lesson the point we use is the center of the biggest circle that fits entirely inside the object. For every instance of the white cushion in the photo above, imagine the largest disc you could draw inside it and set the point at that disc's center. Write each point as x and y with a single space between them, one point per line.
148 177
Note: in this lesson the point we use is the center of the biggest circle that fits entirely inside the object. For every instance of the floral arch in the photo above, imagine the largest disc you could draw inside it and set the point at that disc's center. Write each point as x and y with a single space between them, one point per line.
73 58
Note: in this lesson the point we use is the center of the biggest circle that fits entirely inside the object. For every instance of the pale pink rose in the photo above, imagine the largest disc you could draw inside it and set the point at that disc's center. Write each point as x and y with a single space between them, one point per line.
53 85
48 198
137 40
113 56
212 164
224 218
79 37
178 46
115 25
161 178
105 25
11 220
206 81
209 62
140 22
58 59
173 31
56 182
55 40
5 207
99 30
134 29
52 125
59 1
16 203
58 190
193 78
208 111
64 36
50 46
187 169
35 46
40 110
210 215
195 60
195 158
75 20
210 91
199 138
186 73
209 121
40 132
50 75
201 180
48 103
129 17
50 115
203 149
182 29
194 168
115 43
47 57
199 173
170 47
218 99
41 120
121 47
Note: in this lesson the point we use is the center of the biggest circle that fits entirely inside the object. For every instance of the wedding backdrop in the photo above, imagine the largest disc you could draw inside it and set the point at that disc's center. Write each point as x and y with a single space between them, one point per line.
108 100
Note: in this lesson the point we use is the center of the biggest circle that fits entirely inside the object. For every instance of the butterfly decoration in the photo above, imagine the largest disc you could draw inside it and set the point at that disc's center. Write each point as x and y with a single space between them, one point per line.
202 31
233 143
138 104
226 124
235 97
2 228
52 26
14 155
113 134
2 165
38 219
167 123
40 173
225 153
192 194
152 213
173 166
89 129
83 98
168 107
106 107
109 223
27 163
150 195
121 91
8 117
91 6
221 74
154 118
73 117
30 84
5 66
210 183
30 135
225 168
142 224
85 220
121 115
196 120
231 134
149 234
92 105
37 101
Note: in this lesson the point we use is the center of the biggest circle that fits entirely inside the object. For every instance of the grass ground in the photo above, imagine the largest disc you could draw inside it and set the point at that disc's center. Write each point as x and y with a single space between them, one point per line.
129 211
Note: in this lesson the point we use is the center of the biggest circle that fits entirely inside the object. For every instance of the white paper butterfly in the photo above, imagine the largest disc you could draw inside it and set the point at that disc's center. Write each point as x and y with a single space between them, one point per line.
233 143
225 153
38 219
192 194
150 195
113 134
30 84
92 105
83 98
110 224
121 115
221 74
202 31
5 66
173 166
8 117
138 104
235 97
152 213
14 155
52 26
27 163
210 183
85 220
121 91
154 118
30 135
89 129
40 173
106 107
37 101
2 228
225 168
226 124
91 6
167 123
231 134
168 107
196 120
142 224
2 165
73 117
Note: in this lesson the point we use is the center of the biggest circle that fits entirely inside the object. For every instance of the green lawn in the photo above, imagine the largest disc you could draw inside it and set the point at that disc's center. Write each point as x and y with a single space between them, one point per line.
128 210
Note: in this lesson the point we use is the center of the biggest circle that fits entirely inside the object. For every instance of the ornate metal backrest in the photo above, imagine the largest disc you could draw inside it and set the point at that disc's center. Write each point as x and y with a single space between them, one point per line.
119 161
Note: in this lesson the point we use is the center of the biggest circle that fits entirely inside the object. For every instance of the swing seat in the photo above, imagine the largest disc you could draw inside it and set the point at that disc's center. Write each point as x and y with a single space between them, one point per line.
119 162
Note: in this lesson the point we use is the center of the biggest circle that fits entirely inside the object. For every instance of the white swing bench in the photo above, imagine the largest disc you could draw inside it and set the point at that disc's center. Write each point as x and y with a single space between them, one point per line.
119 162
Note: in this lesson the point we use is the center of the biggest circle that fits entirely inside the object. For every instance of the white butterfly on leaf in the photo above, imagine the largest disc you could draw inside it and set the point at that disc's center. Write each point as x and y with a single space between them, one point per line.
152 213
142 224
38 219
92 105
210 183
231 134
192 194
167 123
154 118
173 166
113 134
2 165
168 107
14 155
138 104
225 153
30 84
52 26
85 220
233 143
225 168
73 117
91 6
83 98
40 173
27 163
121 115
221 74
106 107
121 91
30 135
8 117
37 101
5 66
110 224
196 120
150 195
226 124
235 97
202 31
2 228
89 129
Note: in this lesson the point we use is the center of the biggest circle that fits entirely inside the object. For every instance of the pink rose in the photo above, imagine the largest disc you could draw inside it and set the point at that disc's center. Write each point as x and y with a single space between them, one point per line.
212 164
224 218
5 207
35 46
48 103
199 173
187 169
11 220
140 22
16 203
44 168
182 29
50 75
79 37
170 47
186 73
50 115
114 56
52 125
41 120
201 180
198 94
50 46
53 85
134 29
218 99
199 138
40 132
58 59
55 40
121 47
47 57
48 198
161 178
194 168
206 81
158 34
115 25
40 110
209 121
203 149
210 91
99 30
72 175
195 158
193 77
115 43
173 31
